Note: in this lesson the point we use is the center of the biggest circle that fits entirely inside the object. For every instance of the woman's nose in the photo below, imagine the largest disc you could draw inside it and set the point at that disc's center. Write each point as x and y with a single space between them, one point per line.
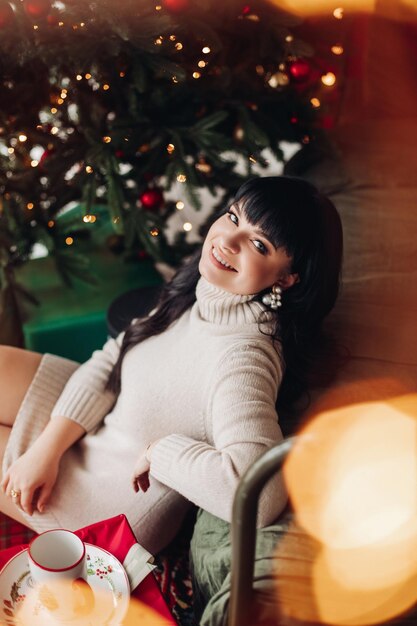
230 243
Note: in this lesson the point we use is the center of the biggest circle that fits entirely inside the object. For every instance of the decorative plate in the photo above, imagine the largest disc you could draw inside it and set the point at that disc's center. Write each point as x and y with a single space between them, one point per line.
22 603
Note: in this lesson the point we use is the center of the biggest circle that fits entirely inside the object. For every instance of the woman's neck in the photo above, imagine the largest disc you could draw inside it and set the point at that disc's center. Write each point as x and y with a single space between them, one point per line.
223 307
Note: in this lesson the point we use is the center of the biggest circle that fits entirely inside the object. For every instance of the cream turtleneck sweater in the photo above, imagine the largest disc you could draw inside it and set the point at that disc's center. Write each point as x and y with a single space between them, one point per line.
205 388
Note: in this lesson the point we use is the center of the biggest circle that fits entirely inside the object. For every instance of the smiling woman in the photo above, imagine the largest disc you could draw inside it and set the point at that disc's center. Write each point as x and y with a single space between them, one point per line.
234 244
180 405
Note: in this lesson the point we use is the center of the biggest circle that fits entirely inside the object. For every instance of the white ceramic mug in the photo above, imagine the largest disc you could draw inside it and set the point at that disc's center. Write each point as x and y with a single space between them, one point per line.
57 563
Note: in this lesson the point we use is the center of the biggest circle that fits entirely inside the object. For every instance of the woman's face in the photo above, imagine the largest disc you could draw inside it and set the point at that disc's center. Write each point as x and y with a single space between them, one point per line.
238 258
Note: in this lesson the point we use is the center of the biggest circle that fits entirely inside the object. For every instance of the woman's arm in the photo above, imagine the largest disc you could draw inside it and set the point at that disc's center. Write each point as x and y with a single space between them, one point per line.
85 399
245 424
35 472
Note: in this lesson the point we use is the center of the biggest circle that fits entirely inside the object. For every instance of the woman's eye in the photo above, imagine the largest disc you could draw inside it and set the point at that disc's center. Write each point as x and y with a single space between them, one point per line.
259 246
233 217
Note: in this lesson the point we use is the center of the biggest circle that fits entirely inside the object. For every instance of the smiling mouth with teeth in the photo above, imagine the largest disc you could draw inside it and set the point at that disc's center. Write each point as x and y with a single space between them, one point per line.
220 260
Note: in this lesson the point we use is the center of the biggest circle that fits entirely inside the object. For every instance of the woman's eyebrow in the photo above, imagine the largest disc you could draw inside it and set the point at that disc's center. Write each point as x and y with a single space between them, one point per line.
237 208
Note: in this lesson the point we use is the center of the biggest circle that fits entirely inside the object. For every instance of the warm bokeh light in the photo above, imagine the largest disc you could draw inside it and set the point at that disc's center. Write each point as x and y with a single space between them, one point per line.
140 613
352 478
326 7
339 605
308 8
98 611
339 464
328 79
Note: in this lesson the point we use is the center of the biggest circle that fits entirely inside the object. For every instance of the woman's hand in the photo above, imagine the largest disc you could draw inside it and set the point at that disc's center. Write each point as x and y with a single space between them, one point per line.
140 478
32 477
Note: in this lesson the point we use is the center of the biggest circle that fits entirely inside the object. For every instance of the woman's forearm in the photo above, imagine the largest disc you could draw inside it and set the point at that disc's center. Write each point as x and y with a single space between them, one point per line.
59 435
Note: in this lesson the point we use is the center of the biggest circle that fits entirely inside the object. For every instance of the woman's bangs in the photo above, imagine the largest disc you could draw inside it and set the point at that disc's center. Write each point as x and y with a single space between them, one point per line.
257 210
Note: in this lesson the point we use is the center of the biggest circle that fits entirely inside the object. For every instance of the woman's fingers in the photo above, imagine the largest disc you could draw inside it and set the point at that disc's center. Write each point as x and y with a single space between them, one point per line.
26 499
4 483
144 481
43 498
141 482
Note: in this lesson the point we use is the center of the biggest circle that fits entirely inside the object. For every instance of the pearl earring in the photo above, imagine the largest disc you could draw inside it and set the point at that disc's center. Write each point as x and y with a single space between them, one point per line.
273 299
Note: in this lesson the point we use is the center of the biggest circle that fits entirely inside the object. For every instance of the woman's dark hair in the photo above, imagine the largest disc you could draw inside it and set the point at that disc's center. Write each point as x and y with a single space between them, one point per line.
295 216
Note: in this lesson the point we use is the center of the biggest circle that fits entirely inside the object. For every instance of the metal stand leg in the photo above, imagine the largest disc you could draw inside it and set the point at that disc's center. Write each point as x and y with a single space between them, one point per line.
245 508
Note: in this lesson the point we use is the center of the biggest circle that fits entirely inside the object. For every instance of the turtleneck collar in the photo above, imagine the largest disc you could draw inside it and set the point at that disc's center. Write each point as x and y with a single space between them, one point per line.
222 307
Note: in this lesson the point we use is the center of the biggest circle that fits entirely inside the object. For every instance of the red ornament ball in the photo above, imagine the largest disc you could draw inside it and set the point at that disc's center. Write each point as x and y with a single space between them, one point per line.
37 8
53 19
176 6
45 156
152 199
300 70
6 14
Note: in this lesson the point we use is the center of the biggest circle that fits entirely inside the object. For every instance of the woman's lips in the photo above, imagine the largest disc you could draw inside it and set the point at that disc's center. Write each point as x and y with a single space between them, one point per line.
218 264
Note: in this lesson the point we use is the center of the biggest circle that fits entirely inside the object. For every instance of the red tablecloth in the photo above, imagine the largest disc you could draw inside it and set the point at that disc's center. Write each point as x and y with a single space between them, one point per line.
116 536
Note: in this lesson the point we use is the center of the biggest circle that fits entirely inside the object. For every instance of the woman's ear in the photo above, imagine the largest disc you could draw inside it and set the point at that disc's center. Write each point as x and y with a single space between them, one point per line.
288 280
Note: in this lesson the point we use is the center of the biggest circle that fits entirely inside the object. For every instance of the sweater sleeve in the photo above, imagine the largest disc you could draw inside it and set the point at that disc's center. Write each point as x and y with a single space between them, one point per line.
84 398
244 425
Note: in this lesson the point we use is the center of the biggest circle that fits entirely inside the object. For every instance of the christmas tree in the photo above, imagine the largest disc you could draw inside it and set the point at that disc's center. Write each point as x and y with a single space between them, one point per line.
105 103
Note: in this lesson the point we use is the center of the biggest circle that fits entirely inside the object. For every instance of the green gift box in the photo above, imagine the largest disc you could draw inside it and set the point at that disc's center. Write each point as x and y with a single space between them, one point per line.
71 321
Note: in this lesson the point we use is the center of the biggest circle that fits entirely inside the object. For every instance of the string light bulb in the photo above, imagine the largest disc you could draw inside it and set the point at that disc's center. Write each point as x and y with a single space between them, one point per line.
337 49
181 178
206 50
338 13
69 241
179 205
170 148
328 79
187 226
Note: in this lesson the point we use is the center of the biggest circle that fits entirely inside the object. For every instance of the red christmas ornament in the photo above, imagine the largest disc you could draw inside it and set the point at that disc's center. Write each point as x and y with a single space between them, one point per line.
47 153
151 199
176 6
37 8
300 70
53 19
6 14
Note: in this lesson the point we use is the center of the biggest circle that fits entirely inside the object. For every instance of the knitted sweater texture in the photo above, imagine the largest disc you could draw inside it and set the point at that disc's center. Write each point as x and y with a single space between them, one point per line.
205 388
